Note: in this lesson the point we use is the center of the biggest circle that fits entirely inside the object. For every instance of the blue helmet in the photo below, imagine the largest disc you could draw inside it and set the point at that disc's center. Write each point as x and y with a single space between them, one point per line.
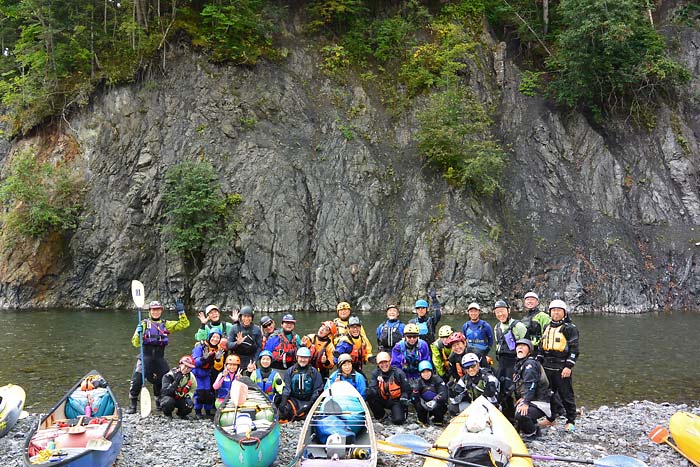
265 353
213 331
421 304
304 352
425 365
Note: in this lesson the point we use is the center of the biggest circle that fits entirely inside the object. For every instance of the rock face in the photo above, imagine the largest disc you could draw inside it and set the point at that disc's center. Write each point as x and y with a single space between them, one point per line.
340 206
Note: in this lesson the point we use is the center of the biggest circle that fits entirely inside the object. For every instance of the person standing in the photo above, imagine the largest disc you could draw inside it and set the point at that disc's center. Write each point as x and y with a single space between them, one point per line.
302 386
342 322
388 389
322 348
208 358
531 389
458 349
535 320
284 343
154 332
354 343
427 323
478 333
508 332
558 353
179 384
390 331
409 352
211 319
267 327
245 338
440 352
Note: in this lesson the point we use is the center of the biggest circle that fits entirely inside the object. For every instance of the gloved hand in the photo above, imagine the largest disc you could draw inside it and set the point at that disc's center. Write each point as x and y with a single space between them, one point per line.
205 354
189 403
139 328
430 404
372 359
219 354
403 400
180 307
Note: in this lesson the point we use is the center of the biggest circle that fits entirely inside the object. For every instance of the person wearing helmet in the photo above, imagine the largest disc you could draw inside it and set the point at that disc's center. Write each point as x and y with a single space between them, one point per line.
558 353
475 382
302 386
508 331
457 344
409 352
440 351
388 389
531 389
427 322
478 332
390 331
283 344
355 343
245 338
535 320
429 395
179 384
267 378
208 356
210 319
322 348
230 373
267 328
346 372
154 331
342 322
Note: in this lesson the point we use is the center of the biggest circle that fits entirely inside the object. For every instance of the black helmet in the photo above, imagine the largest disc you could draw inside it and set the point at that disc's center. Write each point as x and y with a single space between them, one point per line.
527 342
500 304
246 310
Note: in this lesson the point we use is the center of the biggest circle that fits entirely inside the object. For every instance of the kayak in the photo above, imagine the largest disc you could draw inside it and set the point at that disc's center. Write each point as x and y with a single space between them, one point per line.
480 433
247 435
685 430
88 414
338 430
11 402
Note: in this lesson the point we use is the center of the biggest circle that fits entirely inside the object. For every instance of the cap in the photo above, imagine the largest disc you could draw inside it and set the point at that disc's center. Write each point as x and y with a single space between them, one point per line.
265 320
383 357
531 295
210 308
354 321
390 306
344 358
473 305
289 318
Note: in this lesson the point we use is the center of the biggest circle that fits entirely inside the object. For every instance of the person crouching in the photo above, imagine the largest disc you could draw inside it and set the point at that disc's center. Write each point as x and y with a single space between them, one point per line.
429 395
302 386
532 390
388 389
178 386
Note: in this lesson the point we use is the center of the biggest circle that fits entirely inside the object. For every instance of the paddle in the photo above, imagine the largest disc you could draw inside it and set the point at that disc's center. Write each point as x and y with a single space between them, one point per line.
102 443
660 435
414 442
238 394
397 450
138 296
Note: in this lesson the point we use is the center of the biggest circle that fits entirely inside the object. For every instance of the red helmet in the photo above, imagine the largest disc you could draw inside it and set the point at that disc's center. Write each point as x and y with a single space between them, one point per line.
454 337
187 361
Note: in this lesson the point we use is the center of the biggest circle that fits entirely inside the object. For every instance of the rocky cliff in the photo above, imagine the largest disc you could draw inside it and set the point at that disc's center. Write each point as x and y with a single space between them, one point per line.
340 206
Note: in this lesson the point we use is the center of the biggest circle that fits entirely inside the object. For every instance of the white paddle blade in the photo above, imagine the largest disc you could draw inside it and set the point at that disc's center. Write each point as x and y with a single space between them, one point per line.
99 444
137 293
23 414
145 400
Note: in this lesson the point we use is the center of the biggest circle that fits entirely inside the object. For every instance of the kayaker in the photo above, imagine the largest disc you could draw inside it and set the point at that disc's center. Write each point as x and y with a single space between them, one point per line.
284 343
508 332
346 372
390 331
267 327
211 319
267 378
429 395
179 384
427 323
155 333
322 348
476 382
535 320
479 334
354 343
440 352
558 352
388 389
342 322
458 349
208 356
532 390
230 373
409 352
302 386
245 338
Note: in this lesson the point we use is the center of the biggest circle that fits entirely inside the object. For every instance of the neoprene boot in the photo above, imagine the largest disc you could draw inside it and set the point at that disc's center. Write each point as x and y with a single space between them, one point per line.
132 406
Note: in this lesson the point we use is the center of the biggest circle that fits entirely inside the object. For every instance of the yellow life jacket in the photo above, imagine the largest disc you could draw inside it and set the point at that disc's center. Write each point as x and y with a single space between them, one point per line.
554 339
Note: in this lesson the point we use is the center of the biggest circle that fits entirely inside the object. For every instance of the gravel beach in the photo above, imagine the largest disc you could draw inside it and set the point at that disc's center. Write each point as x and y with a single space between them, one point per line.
158 441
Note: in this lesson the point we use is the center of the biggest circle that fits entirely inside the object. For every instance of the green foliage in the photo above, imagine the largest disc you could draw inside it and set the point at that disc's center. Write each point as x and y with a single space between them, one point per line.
531 83
455 137
610 58
335 15
335 61
198 213
39 198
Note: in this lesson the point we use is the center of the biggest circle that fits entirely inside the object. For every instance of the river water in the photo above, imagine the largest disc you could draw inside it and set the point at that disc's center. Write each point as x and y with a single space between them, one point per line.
623 358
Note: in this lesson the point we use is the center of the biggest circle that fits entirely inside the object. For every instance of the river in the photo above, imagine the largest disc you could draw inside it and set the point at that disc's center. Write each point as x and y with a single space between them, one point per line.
623 358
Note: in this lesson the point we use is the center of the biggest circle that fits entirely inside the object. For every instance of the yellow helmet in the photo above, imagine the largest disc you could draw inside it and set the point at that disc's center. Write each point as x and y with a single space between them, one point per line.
445 331
342 306
411 328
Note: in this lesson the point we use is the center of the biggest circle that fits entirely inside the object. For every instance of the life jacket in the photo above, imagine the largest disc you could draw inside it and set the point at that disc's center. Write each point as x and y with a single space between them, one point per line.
210 362
286 349
265 383
423 326
389 389
476 336
554 339
411 357
505 340
456 363
359 350
342 328
155 333
302 383
390 335
223 391
182 391
429 389
318 347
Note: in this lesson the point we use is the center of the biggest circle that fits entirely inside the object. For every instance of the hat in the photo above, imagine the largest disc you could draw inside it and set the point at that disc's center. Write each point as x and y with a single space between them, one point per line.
473 305
246 311
390 306
155 304
383 357
210 308
531 295
500 304
265 320
289 318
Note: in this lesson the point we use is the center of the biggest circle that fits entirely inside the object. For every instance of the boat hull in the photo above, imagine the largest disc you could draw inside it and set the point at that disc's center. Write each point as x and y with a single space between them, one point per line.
13 398
685 429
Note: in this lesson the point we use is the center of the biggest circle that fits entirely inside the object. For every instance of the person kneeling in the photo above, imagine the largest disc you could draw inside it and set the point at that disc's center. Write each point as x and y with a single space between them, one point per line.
302 386
475 382
532 390
388 389
178 386
429 395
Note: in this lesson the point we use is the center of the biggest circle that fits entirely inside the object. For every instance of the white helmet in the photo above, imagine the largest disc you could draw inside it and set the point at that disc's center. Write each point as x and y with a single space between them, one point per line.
559 304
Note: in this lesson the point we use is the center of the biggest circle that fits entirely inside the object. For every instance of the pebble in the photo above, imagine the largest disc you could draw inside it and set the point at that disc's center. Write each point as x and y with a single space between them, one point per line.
157 441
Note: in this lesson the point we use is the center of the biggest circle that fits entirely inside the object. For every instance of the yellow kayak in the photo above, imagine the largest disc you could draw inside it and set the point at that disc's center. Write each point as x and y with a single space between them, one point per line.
481 427
11 403
685 429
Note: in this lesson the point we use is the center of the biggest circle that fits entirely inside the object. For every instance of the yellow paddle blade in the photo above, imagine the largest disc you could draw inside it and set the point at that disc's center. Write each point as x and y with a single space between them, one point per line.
391 448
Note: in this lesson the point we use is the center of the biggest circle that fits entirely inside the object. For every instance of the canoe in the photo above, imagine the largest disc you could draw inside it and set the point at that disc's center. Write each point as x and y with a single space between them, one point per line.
338 429
685 430
247 435
480 428
62 436
11 402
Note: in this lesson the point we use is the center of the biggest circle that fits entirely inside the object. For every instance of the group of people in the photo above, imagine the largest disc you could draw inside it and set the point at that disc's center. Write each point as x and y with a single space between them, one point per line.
435 370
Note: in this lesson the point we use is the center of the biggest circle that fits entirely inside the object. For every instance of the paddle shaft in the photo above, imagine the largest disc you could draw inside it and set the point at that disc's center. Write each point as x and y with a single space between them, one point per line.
553 458
667 441
446 459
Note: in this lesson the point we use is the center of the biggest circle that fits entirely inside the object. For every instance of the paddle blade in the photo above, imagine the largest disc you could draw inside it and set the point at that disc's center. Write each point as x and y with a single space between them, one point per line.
23 414
619 461
137 293
239 393
659 435
391 448
145 400
409 441
99 444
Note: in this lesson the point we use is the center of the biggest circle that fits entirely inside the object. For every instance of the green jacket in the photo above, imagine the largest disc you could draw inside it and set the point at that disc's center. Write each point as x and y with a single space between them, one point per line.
439 355
179 325
204 330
